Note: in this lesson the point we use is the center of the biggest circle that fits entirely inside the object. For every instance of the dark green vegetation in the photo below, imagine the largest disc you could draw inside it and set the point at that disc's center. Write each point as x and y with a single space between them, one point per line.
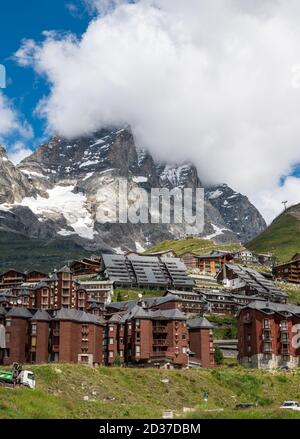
293 291
225 327
194 245
21 253
282 237
139 393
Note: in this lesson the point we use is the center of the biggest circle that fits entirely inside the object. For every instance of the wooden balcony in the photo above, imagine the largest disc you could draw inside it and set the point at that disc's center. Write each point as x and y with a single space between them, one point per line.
159 354
160 342
160 329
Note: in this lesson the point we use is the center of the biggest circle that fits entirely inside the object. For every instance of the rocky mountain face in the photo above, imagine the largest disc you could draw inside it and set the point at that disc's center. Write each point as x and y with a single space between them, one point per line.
68 189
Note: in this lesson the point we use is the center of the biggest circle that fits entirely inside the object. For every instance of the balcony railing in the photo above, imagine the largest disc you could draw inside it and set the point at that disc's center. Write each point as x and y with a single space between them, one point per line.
160 329
159 353
159 342
267 337
267 349
285 351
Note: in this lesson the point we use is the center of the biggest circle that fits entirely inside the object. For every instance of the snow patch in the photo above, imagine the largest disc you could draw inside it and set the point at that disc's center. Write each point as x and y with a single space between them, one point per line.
88 163
140 179
35 174
139 247
63 201
98 142
218 231
88 175
214 194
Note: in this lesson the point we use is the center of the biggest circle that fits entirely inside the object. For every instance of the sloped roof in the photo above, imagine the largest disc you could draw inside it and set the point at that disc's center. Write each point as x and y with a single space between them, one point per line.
64 269
199 322
77 316
19 312
271 307
256 280
41 315
169 314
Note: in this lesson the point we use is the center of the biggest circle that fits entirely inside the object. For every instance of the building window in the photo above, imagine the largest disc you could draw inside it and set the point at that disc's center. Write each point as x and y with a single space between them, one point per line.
8 322
184 350
137 350
111 340
33 342
266 324
111 328
111 354
33 329
284 325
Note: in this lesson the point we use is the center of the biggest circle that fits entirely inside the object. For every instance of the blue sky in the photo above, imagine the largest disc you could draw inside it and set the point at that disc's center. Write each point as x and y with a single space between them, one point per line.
27 20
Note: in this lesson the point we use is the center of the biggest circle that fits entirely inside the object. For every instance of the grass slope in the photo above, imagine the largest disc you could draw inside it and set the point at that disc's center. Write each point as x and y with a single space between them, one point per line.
122 294
282 237
140 393
194 245
22 253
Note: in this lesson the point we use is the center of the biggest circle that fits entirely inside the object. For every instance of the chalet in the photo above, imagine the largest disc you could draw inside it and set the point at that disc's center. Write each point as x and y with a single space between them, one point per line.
289 271
190 260
100 290
245 257
11 278
85 266
211 263
265 259
35 276
223 301
265 334
189 302
247 281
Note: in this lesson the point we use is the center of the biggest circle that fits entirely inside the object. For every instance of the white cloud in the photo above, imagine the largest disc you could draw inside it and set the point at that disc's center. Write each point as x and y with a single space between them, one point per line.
270 201
10 120
209 82
18 151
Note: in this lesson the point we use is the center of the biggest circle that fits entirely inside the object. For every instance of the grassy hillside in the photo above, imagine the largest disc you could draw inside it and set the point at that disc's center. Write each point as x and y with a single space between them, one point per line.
62 391
122 294
192 245
23 253
282 237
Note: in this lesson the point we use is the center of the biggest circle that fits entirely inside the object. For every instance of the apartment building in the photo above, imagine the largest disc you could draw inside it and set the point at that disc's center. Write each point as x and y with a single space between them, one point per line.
268 335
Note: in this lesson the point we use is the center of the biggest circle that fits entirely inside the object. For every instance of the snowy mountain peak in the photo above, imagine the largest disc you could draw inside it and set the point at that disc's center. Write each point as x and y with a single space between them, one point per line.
66 186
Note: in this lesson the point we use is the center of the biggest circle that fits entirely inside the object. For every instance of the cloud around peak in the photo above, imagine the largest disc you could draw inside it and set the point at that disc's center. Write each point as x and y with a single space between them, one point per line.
199 81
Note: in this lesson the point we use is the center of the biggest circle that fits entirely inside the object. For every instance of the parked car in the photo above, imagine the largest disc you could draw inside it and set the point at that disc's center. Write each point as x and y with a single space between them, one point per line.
290 405
284 368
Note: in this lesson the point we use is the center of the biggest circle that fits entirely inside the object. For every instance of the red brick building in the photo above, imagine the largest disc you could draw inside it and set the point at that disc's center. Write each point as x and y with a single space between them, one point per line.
67 335
201 342
267 336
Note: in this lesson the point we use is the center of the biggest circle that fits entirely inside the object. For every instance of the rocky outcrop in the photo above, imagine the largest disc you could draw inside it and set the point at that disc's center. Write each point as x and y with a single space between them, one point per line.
66 188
